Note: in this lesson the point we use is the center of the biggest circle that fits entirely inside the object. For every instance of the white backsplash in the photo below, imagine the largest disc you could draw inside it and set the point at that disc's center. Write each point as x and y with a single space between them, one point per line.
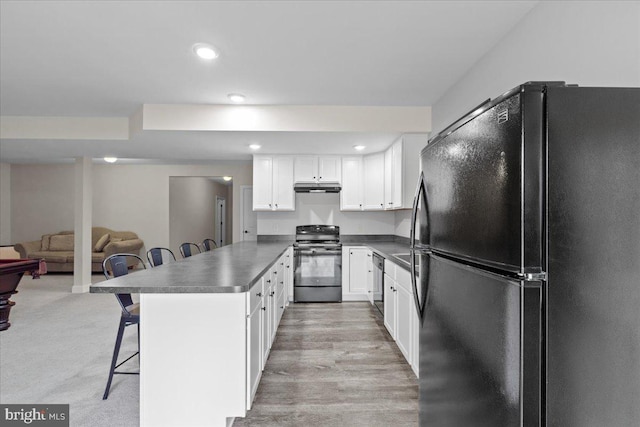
325 209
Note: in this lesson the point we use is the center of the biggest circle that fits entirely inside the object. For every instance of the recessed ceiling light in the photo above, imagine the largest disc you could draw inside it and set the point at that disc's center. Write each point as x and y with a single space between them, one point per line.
227 178
255 146
359 147
110 159
236 97
205 51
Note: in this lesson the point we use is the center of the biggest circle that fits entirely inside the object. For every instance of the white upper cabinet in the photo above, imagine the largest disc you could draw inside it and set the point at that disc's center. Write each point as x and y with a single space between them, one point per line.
262 183
329 169
401 170
273 183
373 182
317 168
283 194
397 175
388 176
351 194
305 168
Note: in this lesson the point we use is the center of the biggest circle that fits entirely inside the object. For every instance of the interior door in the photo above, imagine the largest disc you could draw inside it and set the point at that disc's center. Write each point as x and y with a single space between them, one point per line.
249 216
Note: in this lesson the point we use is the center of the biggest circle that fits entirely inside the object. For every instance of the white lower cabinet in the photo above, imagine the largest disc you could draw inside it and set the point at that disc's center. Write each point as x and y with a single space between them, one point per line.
254 342
266 302
403 320
355 273
400 316
390 305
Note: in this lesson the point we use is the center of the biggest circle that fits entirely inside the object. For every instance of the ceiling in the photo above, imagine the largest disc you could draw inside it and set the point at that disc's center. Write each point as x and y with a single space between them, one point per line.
107 58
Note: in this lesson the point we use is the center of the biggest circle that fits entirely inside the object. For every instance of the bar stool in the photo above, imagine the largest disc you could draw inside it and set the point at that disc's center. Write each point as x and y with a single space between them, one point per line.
187 249
157 255
118 265
209 244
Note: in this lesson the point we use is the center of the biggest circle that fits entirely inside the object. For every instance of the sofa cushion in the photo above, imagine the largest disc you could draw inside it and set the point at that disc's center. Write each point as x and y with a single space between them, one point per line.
96 257
101 243
44 243
61 242
59 256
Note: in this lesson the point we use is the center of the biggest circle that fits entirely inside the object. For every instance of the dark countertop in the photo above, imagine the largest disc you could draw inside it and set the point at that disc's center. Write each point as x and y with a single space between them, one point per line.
386 250
229 269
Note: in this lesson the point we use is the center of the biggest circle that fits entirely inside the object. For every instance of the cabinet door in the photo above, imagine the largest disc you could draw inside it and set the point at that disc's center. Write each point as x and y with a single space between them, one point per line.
373 182
254 353
262 183
388 178
369 284
273 302
390 306
329 169
283 195
267 310
358 270
403 321
351 194
288 272
280 305
396 192
305 168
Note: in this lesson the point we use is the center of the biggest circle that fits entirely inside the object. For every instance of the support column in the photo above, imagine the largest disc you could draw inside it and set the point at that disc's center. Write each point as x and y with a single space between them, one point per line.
5 204
82 225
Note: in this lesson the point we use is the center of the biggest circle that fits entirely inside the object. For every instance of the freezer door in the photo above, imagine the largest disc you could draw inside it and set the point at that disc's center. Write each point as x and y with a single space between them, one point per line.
484 191
480 348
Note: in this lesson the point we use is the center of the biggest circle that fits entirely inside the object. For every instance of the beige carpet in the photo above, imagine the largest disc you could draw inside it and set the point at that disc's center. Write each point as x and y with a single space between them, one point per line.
58 350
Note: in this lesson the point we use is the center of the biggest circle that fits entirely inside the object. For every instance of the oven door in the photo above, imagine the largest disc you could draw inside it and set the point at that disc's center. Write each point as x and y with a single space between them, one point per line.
318 274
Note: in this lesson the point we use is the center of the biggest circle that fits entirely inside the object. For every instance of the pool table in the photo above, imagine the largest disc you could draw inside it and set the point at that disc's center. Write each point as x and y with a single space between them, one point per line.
11 271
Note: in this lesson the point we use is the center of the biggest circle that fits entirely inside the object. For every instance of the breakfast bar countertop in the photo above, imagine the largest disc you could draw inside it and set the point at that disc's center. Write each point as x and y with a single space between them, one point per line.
229 269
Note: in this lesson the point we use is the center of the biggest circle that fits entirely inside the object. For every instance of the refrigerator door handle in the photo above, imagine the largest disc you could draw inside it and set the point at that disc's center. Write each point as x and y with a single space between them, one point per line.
420 191
420 305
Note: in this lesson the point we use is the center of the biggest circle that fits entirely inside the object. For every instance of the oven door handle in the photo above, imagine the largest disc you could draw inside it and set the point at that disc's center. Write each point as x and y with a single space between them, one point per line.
320 252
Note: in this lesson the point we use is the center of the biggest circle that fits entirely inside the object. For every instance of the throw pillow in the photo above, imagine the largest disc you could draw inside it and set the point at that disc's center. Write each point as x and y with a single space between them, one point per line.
101 243
44 244
61 242
116 239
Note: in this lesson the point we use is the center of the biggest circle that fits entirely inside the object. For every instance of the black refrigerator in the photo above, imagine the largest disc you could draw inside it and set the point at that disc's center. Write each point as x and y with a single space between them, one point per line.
526 257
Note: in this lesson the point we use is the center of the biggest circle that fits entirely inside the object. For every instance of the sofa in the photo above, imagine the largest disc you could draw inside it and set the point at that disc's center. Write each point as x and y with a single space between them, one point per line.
57 249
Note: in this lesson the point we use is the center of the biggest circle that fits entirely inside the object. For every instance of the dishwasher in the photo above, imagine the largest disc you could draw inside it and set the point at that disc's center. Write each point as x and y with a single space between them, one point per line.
378 282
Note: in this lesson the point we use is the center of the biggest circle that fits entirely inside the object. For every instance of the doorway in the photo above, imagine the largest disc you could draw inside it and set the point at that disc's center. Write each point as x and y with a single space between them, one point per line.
194 212
221 221
249 216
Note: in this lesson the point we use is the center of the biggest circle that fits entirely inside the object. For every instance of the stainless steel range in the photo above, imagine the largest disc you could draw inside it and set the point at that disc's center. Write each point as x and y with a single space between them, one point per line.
318 264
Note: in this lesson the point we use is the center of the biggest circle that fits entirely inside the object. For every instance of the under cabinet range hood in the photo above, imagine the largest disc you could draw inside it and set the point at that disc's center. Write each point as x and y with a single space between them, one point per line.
317 187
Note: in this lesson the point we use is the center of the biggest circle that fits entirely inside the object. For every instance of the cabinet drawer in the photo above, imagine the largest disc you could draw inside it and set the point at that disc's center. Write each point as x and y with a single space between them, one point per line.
390 269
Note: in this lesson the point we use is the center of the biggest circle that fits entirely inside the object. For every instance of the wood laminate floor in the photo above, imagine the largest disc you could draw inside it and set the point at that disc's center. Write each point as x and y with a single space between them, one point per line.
334 365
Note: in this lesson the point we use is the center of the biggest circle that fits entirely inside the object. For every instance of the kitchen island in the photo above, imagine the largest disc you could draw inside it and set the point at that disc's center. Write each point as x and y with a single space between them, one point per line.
207 323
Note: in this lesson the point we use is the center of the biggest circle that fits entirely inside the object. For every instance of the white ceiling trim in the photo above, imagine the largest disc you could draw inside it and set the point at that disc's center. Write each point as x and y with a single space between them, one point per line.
67 128
279 118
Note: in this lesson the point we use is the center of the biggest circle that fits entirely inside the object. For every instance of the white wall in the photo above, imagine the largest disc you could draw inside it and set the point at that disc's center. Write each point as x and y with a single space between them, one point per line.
192 209
586 43
42 200
402 223
125 197
5 204
325 209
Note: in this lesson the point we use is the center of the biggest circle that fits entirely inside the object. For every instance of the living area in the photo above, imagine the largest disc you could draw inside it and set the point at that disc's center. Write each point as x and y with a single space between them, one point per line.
131 208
